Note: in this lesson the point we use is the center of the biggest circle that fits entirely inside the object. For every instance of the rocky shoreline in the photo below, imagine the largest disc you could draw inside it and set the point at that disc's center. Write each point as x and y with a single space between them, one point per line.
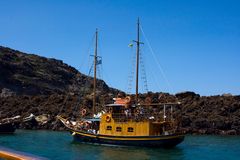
198 115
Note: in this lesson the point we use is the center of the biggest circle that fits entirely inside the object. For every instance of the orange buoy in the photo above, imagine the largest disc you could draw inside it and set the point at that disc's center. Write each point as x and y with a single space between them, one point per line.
108 118
83 112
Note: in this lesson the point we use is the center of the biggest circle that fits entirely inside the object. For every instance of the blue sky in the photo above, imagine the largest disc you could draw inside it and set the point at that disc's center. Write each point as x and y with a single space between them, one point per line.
196 43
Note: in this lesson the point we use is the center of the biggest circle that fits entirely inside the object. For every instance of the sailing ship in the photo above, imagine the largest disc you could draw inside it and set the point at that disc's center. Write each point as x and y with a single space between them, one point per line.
128 122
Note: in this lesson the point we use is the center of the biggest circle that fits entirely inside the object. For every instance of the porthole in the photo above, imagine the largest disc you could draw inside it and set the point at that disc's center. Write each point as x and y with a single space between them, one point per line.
119 129
130 129
109 128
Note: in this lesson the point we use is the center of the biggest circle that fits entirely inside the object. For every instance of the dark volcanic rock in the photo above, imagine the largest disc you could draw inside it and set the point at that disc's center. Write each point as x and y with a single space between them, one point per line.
214 114
202 116
188 94
29 74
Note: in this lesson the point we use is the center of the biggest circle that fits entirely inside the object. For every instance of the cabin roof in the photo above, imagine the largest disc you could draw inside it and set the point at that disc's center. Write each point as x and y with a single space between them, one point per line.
92 119
114 105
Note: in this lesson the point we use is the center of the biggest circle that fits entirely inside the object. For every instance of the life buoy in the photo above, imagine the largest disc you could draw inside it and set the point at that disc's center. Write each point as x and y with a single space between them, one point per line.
108 118
83 112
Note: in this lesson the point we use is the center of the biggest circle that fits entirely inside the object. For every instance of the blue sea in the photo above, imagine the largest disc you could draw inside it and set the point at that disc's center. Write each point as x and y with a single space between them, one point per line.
59 146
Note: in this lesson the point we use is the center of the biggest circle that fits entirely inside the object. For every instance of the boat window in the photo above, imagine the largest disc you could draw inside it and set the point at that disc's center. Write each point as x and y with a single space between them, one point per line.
130 129
119 129
109 127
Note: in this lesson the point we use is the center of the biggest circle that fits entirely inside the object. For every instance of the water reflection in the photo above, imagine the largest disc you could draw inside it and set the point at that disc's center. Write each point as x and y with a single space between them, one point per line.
122 153
119 153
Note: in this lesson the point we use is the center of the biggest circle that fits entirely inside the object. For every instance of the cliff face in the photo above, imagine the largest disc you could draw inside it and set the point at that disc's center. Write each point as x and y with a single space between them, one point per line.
210 115
28 74
38 85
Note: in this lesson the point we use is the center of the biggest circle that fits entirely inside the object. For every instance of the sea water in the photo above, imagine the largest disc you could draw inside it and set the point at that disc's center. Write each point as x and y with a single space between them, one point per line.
59 146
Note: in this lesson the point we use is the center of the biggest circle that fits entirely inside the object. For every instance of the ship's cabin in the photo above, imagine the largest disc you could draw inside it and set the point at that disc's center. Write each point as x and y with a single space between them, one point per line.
137 120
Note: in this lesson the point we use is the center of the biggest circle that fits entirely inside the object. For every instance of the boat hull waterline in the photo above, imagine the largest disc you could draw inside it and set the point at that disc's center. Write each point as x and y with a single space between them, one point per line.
165 141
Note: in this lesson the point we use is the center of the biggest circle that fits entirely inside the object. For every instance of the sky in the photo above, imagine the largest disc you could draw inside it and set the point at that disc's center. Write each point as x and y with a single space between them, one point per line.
188 45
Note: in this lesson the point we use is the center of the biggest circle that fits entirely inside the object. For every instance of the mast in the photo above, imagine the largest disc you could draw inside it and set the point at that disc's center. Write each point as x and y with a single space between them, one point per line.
95 72
137 58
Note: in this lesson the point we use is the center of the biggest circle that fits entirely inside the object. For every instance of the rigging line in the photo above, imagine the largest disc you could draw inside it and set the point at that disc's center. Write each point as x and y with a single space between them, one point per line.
143 71
90 70
88 51
99 75
90 66
158 63
129 83
155 79
99 58
106 78
103 74
150 73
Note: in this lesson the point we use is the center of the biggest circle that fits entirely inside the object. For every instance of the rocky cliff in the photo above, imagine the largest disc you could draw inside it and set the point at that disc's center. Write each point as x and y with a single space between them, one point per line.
29 74
218 114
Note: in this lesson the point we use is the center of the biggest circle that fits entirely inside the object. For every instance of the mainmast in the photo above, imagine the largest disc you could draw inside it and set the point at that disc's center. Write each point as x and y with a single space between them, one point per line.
95 72
137 57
